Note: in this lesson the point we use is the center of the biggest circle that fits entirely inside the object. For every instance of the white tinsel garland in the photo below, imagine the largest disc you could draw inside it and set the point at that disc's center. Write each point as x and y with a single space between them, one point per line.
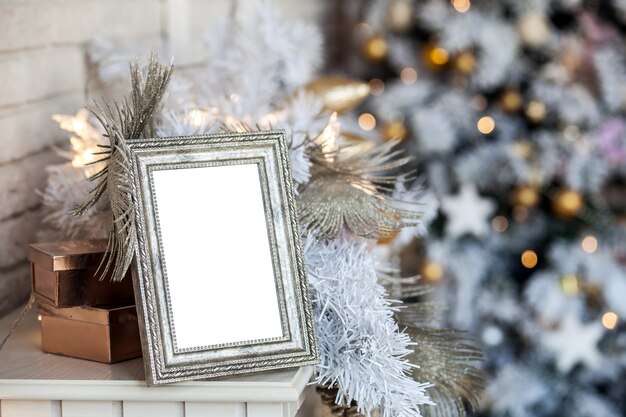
362 350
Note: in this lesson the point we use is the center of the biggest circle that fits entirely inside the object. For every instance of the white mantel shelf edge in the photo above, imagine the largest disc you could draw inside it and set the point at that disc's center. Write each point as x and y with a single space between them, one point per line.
58 386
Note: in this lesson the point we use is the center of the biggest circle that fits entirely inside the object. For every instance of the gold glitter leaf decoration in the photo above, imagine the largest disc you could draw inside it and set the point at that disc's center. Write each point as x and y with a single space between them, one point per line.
448 360
350 189
130 120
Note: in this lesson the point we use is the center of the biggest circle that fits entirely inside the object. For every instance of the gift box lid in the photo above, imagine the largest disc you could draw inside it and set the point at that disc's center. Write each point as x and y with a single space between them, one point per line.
105 314
63 256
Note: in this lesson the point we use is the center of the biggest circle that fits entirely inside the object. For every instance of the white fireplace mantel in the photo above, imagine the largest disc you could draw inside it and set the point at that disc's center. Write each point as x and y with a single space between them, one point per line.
37 384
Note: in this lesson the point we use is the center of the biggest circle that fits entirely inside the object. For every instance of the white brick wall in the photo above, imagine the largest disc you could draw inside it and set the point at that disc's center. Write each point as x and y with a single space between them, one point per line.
43 72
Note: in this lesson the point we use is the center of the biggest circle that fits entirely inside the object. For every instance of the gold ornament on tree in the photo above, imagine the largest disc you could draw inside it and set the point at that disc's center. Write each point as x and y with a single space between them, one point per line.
526 195
536 111
338 94
465 62
568 203
511 101
435 56
375 48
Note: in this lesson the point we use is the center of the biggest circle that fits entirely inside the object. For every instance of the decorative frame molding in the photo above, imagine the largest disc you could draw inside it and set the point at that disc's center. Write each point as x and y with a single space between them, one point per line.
164 362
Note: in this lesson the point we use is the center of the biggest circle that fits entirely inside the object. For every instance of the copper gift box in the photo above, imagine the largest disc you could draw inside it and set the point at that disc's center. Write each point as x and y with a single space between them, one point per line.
63 275
104 334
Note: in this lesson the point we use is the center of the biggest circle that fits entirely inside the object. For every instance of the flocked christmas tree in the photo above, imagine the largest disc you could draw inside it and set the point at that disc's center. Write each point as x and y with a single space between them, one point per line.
377 357
515 111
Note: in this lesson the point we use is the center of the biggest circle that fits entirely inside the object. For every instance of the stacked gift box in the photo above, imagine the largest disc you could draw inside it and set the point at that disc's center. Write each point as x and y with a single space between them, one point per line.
81 315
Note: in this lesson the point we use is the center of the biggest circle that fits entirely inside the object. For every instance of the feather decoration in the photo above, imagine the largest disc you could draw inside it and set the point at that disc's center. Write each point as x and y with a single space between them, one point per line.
448 361
130 120
350 189
446 358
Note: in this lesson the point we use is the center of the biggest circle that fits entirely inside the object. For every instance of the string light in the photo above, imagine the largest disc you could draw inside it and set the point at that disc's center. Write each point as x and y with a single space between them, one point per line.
529 259
609 320
197 117
437 56
589 244
568 203
570 284
432 271
486 125
408 75
377 87
571 133
461 6
367 122
536 111
500 224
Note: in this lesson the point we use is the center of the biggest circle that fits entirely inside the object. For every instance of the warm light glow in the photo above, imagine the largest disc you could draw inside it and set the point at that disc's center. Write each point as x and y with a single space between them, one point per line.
527 196
39 317
529 259
570 284
394 130
589 244
609 320
465 62
571 133
536 111
500 224
367 122
377 87
438 56
461 6
523 148
83 158
197 117
408 75
568 203
511 100
432 271
486 125
375 48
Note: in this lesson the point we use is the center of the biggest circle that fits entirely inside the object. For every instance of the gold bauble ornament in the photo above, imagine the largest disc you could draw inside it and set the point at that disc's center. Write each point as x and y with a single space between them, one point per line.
568 203
394 130
536 111
338 93
511 101
431 271
435 56
533 29
465 62
526 195
400 15
375 48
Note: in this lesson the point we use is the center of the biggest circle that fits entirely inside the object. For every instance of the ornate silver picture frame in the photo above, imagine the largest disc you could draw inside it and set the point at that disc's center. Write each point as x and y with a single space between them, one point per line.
219 274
